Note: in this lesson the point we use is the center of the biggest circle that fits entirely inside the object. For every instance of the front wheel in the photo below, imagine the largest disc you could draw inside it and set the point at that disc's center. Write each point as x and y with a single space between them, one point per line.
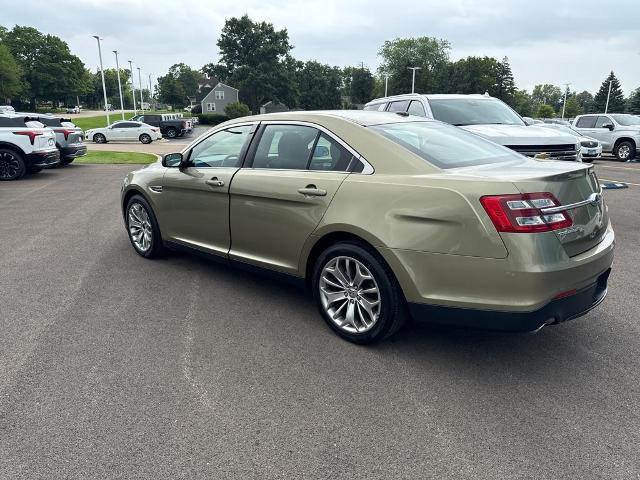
142 228
625 151
357 293
145 138
12 166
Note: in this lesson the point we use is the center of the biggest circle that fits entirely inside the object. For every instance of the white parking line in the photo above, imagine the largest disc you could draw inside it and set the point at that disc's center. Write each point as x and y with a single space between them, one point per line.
620 181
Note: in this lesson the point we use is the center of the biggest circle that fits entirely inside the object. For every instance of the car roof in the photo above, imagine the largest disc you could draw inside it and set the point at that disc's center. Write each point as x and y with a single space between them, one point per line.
432 96
361 117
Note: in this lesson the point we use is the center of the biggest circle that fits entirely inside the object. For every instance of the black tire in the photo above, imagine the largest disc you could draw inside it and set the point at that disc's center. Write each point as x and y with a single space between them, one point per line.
392 312
34 170
99 138
171 132
12 166
625 151
66 161
156 248
145 138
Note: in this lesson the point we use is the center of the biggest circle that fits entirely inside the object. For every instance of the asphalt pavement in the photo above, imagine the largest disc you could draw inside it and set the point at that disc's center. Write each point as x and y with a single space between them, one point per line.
113 366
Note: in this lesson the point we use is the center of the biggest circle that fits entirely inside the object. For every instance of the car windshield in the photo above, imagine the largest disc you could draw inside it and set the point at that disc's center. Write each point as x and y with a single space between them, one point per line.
445 146
626 120
473 111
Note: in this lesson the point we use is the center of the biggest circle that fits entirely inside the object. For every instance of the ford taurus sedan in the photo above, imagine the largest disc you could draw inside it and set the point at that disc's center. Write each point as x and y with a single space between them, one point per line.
384 216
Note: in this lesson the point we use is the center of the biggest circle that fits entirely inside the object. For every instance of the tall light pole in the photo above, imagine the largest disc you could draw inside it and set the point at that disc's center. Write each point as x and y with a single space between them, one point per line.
150 91
104 88
413 81
564 102
133 89
606 107
119 84
140 85
386 83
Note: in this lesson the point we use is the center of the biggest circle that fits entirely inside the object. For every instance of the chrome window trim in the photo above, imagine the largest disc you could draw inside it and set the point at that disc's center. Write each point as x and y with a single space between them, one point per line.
367 170
213 131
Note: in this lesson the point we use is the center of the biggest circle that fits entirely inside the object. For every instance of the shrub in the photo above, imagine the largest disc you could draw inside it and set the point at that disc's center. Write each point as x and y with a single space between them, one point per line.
236 109
197 108
211 118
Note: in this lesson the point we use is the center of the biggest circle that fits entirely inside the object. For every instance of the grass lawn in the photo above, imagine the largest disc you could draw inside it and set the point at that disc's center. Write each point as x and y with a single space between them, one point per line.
101 120
116 157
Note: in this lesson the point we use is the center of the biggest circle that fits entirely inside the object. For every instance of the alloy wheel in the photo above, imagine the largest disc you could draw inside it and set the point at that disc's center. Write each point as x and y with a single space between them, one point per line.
349 294
9 166
624 151
140 229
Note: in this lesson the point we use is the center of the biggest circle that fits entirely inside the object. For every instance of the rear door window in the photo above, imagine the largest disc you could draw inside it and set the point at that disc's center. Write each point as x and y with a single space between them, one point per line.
586 122
286 147
329 155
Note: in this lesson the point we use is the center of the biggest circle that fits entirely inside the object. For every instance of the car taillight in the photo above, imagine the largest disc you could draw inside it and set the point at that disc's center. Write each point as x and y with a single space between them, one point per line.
30 133
521 213
65 132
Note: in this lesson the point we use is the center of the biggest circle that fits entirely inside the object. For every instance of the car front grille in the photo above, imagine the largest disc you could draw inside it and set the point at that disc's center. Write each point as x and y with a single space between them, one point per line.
589 144
555 152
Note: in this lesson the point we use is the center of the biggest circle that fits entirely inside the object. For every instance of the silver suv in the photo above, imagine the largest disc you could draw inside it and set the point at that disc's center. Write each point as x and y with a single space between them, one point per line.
619 133
487 117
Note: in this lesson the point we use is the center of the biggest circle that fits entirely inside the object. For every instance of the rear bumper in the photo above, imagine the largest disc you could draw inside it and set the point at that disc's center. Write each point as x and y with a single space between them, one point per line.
44 158
73 151
556 311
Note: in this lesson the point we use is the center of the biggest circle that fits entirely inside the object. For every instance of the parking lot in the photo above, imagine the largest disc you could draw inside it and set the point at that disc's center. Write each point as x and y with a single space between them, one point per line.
112 365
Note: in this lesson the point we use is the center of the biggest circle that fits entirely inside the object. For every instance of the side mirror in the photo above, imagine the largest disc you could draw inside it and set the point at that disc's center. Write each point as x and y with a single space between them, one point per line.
608 125
172 160
321 151
528 122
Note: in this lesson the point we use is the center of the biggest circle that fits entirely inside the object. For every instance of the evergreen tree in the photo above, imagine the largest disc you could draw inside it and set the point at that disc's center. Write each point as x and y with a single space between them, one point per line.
505 84
633 103
616 99
585 100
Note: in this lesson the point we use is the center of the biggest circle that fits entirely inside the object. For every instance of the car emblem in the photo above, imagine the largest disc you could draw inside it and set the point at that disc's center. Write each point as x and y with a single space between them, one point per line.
541 156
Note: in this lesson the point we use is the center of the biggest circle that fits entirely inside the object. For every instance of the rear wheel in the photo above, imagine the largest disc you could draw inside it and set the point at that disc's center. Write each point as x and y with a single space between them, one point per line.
145 138
142 228
66 161
357 293
99 138
171 132
12 166
625 151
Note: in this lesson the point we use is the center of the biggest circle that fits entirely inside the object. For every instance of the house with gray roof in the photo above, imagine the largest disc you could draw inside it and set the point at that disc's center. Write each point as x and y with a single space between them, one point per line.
214 95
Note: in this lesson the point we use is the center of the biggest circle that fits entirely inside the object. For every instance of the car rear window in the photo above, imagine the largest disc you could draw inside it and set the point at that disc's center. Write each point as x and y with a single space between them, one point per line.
445 146
12 122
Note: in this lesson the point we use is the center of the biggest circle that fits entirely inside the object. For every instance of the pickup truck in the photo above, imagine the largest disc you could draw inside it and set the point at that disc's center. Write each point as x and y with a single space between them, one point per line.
171 126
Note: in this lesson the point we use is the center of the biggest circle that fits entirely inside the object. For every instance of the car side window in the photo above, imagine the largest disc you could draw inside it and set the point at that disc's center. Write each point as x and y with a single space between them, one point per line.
602 121
399 106
416 108
329 155
222 149
586 122
128 125
285 147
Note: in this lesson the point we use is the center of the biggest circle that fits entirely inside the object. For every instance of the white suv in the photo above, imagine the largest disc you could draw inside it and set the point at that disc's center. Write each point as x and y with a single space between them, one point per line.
487 117
619 133
26 146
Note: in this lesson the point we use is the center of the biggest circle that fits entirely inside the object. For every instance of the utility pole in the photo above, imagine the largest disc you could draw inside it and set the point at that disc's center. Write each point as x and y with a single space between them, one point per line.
386 83
150 91
104 88
140 85
413 81
133 89
119 84
564 102
606 107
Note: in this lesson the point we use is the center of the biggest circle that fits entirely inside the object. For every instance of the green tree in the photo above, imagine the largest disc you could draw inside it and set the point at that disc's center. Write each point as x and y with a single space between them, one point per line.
319 86
545 111
474 75
252 56
235 110
10 75
361 83
585 100
616 99
505 88
171 91
50 71
547 94
428 53
523 103
572 107
633 102
187 77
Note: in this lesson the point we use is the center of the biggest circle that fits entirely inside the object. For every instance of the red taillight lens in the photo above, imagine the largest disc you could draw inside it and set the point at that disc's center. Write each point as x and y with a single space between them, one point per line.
521 213
29 133
65 132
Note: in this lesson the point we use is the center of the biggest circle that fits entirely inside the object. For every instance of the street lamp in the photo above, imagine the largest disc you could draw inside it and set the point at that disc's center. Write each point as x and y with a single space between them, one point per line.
386 83
104 88
140 85
413 81
119 84
606 107
133 89
564 102
150 91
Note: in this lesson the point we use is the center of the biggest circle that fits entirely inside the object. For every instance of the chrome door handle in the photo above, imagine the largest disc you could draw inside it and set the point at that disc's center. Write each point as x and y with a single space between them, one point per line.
312 191
214 182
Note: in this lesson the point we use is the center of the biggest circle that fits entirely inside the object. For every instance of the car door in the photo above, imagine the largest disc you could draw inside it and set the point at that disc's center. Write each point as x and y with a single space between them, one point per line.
194 200
293 171
121 131
603 131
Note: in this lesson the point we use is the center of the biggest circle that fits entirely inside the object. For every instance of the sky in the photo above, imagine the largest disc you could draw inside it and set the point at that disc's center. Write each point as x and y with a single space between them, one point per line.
558 42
